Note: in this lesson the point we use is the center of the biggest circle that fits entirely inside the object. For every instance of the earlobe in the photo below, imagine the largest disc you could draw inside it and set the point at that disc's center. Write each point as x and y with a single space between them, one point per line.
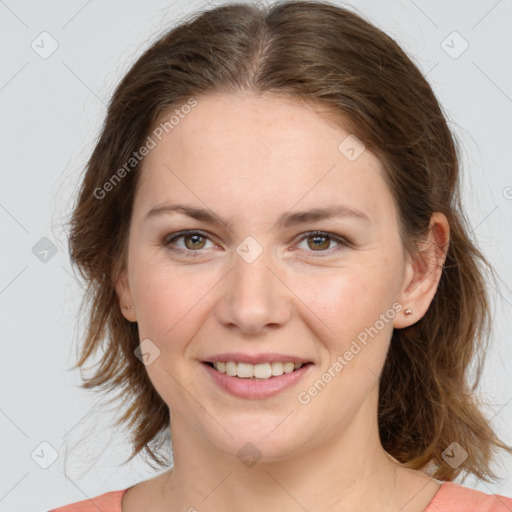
124 296
423 273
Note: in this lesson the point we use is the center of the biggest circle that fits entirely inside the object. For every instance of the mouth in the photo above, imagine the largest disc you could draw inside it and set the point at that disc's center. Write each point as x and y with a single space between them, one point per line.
256 372
256 376
255 382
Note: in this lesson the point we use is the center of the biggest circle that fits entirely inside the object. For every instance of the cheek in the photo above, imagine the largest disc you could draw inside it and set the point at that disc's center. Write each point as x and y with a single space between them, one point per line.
164 300
355 309
343 299
172 301
168 305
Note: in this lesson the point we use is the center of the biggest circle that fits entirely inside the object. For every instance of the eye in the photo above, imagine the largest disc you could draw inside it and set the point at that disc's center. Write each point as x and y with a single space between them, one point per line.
321 240
194 241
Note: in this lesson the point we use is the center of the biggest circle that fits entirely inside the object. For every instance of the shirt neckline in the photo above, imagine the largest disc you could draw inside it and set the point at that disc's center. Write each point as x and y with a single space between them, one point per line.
431 507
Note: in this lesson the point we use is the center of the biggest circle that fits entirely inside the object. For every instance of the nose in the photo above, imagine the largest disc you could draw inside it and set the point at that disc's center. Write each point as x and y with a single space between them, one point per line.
254 297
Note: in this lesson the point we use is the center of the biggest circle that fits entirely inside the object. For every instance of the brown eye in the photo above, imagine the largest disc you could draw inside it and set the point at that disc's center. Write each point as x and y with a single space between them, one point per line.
319 242
193 242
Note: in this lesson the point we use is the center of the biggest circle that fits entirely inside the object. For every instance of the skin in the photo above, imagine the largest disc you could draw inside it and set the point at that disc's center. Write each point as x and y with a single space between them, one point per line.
249 159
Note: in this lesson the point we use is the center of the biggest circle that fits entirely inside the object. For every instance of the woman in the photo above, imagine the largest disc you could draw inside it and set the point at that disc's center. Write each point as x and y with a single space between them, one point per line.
271 231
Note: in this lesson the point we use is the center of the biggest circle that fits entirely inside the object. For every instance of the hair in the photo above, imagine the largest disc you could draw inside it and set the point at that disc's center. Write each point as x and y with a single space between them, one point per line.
331 57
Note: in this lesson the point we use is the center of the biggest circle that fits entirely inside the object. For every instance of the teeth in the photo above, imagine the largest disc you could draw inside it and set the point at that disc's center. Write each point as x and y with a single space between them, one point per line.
244 370
276 369
288 367
257 371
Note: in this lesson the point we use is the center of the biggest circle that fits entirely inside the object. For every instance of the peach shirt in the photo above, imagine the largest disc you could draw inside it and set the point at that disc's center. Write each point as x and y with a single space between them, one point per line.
449 498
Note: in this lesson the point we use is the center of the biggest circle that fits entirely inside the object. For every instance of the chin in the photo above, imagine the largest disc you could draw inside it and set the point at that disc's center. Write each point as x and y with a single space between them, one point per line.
259 440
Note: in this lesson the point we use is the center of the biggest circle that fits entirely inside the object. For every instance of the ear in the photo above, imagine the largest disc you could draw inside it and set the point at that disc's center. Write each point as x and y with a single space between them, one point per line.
124 296
423 272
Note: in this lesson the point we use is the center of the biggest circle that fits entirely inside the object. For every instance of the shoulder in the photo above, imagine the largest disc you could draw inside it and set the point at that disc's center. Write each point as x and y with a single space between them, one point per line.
452 497
109 502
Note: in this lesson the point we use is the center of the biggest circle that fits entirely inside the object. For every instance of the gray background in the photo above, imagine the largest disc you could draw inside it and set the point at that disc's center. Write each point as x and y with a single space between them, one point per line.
51 111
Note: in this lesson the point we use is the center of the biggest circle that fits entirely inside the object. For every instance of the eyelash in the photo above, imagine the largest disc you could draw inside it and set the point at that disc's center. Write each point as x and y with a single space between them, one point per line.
175 236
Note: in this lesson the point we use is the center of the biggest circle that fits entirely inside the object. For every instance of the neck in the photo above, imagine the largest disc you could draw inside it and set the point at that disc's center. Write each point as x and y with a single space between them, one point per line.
349 473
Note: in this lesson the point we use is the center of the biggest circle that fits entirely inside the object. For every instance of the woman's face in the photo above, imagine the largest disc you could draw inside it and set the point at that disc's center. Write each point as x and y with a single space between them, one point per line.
259 282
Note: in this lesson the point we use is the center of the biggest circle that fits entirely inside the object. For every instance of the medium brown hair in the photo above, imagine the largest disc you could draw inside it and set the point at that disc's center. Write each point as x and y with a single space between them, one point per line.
327 55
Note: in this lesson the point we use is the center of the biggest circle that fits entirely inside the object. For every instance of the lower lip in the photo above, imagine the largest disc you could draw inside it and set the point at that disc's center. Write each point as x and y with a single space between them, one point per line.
256 389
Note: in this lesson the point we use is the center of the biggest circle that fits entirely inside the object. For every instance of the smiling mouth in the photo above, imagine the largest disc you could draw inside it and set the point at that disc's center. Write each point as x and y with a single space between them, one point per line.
263 371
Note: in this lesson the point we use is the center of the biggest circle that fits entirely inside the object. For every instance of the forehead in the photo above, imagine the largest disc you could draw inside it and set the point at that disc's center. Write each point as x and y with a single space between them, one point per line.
260 124
252 149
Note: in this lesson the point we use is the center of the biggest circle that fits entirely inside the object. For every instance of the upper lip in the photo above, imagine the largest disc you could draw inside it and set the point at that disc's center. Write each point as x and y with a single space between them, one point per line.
256 358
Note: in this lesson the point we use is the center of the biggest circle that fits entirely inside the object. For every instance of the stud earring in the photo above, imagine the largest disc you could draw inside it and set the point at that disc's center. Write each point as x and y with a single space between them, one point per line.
408 311
127 307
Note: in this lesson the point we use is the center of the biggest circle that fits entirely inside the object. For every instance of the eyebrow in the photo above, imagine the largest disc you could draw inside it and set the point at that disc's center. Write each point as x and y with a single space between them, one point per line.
286 220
